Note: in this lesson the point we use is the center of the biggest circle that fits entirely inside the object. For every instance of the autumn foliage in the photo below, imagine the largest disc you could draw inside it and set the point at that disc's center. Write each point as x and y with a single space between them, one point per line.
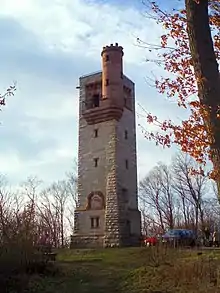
191 135
9 92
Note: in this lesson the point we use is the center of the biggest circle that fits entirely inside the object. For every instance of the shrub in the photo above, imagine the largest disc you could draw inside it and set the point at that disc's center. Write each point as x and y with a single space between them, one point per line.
18 260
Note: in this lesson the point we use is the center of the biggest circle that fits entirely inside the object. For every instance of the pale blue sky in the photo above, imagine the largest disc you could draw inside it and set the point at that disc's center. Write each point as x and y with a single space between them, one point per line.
45 46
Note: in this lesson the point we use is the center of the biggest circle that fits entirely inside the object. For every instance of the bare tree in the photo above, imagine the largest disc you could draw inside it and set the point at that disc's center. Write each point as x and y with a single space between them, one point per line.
38 216
168 199
211 208
5 209
71 185
29 190
173 197
60 194
191 188
156 192
53 208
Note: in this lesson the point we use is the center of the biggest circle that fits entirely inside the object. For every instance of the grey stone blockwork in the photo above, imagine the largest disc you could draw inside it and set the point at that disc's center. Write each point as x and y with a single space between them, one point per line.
120 222
112 225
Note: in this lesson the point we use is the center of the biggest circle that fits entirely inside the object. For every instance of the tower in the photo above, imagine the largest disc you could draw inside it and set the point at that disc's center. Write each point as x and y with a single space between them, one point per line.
107 212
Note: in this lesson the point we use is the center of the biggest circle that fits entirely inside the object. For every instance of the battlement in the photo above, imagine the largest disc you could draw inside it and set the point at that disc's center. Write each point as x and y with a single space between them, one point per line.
112 47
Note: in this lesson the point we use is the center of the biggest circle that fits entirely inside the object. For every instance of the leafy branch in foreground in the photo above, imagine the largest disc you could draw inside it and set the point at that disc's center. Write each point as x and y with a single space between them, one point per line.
189 52
9 92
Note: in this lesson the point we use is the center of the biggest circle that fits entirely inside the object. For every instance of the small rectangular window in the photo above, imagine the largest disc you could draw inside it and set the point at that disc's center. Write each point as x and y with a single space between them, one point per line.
126 164
96 162
106 58
128 224
95 132
125 195
126 134
95 100
94 222
106 82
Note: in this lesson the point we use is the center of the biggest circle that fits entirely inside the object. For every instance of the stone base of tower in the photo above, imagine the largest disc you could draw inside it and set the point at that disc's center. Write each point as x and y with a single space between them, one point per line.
133 240
86 241
132 228
78 241
124 233
115 229
112 239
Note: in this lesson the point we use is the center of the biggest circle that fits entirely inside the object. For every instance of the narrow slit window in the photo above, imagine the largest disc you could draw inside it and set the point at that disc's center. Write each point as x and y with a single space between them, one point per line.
126 134
95 101
106 58
125 195
95 132
107 82
96 162
97 222
126 164
94 222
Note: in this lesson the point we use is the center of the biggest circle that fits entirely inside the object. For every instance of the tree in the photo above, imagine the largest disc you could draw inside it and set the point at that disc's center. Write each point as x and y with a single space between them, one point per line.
9 92
52 212
207 76
73 201
29 192
19 235
171 197
56 209
156 192
191 189
59 192
5 210
190 54
37 216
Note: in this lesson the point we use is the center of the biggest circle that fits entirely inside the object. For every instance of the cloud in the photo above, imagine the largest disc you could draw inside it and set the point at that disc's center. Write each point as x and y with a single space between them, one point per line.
45 46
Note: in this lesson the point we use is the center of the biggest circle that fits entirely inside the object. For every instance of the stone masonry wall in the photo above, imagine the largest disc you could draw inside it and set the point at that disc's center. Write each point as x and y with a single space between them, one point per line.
102 178
89 178
130 225
89 241
110 177
112 227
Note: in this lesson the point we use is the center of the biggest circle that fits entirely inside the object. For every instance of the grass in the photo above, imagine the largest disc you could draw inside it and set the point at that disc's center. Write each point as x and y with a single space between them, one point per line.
131 270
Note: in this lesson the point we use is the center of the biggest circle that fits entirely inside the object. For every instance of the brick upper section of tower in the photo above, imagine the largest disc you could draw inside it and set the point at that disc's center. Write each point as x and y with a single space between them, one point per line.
112 47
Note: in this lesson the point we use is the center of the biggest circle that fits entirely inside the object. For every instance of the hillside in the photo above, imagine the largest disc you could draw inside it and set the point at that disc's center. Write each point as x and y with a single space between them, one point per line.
131 270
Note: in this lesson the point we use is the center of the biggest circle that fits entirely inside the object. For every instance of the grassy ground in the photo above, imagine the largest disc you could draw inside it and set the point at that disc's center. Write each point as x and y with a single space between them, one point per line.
131 270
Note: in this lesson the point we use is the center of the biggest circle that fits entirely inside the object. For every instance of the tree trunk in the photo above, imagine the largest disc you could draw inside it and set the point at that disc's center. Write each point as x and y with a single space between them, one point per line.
201 211
206 73
184 210
62 226
159 212
196 219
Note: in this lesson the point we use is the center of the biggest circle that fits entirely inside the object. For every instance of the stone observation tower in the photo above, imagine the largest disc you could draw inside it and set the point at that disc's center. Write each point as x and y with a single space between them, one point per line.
107 212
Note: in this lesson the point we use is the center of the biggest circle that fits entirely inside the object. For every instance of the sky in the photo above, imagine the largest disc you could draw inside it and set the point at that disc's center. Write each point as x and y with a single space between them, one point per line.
45 46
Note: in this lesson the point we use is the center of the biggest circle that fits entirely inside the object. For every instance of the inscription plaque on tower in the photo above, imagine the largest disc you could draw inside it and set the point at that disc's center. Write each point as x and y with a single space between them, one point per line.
95 201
